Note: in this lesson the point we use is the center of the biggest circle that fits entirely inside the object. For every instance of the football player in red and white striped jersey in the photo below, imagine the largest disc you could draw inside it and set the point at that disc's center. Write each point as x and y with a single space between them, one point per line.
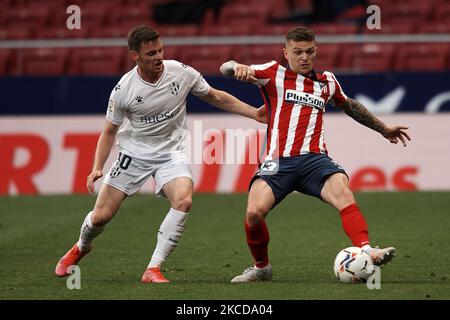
295 98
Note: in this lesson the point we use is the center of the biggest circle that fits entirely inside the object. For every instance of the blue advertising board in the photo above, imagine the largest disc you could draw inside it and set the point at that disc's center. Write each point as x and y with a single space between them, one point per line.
381 93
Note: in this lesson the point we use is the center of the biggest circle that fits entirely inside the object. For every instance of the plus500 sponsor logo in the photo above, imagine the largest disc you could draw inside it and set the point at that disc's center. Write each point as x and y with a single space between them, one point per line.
306 99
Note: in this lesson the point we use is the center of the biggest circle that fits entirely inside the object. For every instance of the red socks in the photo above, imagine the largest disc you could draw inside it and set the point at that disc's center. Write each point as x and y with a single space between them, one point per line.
258 241
355 225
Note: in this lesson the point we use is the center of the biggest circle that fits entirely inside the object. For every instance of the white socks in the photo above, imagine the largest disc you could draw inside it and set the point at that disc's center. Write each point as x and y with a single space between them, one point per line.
87 233
169 233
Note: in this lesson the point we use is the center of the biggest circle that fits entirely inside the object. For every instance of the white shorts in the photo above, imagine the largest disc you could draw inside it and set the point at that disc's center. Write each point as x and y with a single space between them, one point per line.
129 174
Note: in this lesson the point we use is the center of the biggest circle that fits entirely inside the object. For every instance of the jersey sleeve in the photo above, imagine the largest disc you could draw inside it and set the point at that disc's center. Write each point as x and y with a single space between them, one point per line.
115 112
339 97
200 86
265 72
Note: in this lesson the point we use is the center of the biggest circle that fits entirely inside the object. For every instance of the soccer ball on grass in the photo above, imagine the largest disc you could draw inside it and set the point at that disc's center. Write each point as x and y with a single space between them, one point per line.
353 265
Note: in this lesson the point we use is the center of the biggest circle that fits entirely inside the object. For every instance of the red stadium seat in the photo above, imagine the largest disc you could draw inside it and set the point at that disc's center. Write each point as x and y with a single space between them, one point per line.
334 28
111 32
206 59
327 57
226 30
96 61
19 32
177 31
259 54
375 57
39 62
412 13
128 15
435 27
275 29
422 57
238 14
95 15
172 52
443 13
393 28
32 18
62 33
5 61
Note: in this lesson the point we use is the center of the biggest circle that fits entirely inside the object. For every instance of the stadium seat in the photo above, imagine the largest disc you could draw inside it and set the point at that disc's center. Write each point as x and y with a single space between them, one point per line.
327 57
367 57
227 30
274 29
172 52
393 28
373 57
259 54
4 61
31 18
19 32
443 13
58 32
434 27
127 15
40 62
241 14
412 13
206 59
95 15
422 57
96 61
334 28
177 31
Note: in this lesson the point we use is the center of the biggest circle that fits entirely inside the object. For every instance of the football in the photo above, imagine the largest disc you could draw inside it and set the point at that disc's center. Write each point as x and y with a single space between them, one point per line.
353 265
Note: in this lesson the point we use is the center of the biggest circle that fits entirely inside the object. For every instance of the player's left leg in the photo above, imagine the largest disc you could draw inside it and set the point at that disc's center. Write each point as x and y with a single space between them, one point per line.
179 192
337 193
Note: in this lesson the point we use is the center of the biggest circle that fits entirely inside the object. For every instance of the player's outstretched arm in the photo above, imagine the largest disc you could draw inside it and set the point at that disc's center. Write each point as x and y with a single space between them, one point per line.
239 71
360 113
104 146
227 102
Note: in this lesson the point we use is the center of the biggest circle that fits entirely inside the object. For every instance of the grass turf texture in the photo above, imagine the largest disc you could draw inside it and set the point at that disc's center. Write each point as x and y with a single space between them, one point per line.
306 235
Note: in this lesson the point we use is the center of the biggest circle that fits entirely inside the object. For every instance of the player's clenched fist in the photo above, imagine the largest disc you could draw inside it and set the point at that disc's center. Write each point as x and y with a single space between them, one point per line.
240 71
94 176
244 73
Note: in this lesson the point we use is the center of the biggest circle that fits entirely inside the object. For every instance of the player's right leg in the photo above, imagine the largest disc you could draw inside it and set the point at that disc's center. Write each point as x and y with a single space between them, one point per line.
178 191
337 193
260 200
106 206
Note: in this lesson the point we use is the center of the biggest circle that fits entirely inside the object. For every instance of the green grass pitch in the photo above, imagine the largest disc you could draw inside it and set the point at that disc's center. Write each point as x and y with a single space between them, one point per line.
306 235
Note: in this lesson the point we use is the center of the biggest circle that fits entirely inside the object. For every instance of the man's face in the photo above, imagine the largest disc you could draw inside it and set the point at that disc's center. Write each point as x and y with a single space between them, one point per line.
150 56
300 56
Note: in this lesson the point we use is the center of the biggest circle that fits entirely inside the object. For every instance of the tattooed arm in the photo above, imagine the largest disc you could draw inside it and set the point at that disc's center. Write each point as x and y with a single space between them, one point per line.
360 113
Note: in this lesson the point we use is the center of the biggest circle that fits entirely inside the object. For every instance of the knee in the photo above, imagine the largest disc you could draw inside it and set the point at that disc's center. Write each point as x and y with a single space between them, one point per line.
102 214
183 204
100 217
255 214
344 197
347 195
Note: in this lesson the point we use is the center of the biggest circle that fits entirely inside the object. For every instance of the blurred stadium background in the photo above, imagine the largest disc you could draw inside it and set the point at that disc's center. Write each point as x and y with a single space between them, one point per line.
399 70
55 84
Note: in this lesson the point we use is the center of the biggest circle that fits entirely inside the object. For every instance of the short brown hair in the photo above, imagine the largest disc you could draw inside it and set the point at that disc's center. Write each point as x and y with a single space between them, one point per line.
300 34
140 34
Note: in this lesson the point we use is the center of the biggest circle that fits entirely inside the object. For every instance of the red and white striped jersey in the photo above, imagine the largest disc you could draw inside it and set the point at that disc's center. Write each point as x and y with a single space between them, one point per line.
295 106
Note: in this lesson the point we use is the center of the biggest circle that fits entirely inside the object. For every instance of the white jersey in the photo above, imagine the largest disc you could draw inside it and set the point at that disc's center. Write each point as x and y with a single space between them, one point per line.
156 111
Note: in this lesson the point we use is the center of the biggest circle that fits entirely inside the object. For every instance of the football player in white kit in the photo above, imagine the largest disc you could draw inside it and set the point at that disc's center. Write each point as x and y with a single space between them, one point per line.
152 96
